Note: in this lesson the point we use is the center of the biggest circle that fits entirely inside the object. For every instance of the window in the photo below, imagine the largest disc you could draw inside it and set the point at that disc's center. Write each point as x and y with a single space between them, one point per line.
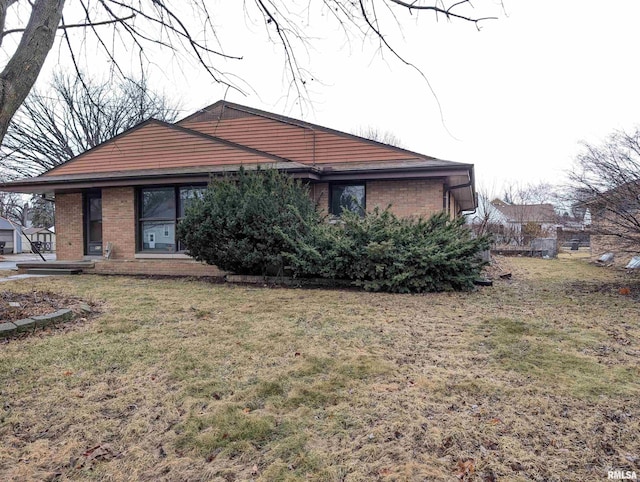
159 211
93 223
347 197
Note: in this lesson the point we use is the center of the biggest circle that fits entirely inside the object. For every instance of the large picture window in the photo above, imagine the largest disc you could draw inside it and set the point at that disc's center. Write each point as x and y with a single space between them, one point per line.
160 210
347 197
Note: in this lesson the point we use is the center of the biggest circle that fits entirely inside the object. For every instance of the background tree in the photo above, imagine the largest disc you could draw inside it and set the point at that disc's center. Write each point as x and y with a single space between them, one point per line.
187 26
75 115
486 219
13 207
42 213
530 193
386 137
606 179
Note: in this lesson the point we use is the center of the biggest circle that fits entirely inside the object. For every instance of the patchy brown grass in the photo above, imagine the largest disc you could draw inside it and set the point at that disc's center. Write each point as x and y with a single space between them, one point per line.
535 378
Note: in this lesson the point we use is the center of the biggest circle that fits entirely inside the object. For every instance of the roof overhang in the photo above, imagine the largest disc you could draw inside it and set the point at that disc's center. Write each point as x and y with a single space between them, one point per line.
457 178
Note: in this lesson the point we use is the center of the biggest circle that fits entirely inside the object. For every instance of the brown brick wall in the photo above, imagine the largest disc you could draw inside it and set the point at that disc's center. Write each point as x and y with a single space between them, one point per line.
69 232
320 195
119 221
407 198
174 267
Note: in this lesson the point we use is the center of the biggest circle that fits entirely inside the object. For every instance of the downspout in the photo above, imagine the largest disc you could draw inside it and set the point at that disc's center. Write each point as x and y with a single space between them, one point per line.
448 189
445 198
474 209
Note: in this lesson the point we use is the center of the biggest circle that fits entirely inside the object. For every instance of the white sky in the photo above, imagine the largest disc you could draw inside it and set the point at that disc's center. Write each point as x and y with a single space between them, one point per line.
517 96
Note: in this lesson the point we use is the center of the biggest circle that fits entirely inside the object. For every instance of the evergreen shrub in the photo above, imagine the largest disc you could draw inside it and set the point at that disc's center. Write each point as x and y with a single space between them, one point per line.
244 223
265 223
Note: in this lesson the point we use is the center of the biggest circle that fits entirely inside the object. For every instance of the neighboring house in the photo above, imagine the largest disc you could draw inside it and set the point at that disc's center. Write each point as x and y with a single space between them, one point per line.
487 219
524 222
513 224
10 237
124 197
45 236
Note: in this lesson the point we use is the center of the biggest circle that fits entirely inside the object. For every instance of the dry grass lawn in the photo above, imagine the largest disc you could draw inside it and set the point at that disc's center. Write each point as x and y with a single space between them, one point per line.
535 378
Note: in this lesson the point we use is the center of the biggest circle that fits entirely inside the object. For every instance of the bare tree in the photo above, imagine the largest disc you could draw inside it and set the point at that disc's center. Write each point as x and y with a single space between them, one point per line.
13 207
138 25
42 212
531 193
72 117
606 180
373 133
486 219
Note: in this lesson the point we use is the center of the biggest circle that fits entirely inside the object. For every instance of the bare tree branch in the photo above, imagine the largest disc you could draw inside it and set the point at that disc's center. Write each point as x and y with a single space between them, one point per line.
606 179
23 68
447 12
73 117
142 24
73 25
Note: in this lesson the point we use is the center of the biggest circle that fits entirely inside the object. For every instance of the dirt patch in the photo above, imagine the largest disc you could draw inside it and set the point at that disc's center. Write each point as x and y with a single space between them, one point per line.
16 306
628 288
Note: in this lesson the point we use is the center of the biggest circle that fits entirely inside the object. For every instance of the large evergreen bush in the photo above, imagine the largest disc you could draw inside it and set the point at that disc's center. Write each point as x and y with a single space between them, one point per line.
382 252
244 223
264 222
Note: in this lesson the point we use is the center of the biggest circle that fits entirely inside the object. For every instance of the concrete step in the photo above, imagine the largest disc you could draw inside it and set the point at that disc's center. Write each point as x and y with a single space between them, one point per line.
55 264
53 271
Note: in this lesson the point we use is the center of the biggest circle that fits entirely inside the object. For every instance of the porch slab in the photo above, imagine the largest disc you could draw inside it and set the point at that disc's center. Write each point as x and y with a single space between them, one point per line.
55 265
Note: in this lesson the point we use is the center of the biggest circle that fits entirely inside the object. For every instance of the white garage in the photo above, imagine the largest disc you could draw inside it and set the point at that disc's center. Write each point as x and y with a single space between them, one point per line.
10 237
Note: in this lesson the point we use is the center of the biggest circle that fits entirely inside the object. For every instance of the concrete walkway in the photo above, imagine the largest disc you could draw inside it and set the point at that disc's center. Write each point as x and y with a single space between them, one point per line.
17 277
8 263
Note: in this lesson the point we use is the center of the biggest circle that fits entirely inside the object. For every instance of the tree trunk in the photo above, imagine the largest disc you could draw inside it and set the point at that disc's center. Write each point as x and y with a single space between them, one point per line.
21 72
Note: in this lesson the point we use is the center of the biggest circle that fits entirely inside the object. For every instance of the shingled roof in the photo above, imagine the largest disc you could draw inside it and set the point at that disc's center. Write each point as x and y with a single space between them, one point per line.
224 136
525 213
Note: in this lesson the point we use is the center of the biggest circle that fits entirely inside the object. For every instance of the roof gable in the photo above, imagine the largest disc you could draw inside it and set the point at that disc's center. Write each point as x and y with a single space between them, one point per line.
157 145
523 213
6 224
293 139
224 136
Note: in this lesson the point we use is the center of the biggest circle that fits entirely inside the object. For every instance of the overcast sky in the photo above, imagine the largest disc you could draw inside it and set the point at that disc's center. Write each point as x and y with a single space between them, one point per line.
517 96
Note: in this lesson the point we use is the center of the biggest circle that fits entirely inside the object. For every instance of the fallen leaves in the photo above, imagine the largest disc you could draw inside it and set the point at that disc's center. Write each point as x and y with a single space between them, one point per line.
98 453
14 306
465 469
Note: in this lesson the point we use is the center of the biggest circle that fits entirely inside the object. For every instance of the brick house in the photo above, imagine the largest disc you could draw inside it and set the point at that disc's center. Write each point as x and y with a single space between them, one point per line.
522 222
118 203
